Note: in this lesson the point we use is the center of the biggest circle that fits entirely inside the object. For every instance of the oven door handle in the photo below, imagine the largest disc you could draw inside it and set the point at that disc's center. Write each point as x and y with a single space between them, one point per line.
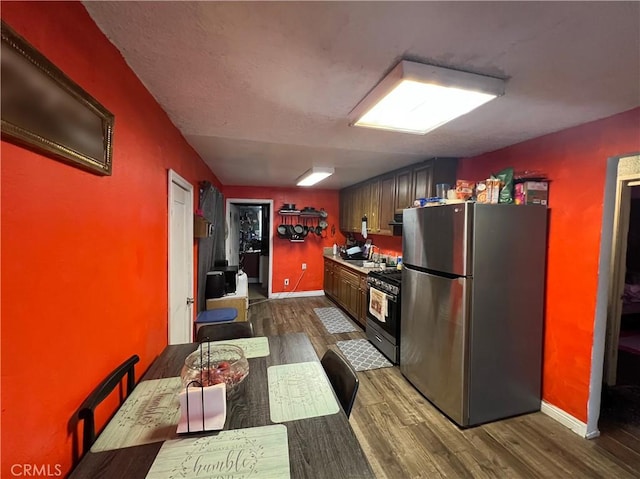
390 297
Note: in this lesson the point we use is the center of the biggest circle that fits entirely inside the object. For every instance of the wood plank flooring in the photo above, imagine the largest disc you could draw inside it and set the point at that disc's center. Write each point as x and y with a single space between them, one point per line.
404 436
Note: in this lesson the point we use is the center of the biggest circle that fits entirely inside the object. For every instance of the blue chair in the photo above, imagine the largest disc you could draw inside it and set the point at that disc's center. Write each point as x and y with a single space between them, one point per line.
215 316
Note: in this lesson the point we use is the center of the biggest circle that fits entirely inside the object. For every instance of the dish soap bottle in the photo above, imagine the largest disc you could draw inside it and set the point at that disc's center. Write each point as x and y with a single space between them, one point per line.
335 249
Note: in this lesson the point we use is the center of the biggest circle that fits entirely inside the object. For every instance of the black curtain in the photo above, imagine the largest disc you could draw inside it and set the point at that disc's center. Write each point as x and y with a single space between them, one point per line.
210 249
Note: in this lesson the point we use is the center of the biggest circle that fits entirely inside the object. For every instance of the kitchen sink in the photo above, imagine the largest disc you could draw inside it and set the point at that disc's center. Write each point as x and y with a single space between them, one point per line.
361 263
355 262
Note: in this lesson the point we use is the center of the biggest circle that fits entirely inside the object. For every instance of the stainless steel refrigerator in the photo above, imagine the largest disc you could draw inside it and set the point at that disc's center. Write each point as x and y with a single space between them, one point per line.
472 308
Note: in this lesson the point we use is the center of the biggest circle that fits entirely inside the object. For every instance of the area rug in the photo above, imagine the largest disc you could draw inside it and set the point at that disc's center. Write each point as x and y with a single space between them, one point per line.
631 344
334 321
363 355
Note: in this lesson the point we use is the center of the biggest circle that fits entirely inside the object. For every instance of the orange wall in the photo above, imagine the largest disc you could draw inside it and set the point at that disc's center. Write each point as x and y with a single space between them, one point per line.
287 256
84 257
575 161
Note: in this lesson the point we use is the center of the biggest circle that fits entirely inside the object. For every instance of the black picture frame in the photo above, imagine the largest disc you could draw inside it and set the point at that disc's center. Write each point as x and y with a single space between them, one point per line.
45 110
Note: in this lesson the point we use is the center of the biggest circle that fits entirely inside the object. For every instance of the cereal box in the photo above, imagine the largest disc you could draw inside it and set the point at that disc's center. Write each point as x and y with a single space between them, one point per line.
531 193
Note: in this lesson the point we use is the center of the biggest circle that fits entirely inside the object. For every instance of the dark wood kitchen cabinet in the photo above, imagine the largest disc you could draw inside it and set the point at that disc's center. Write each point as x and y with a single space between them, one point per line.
329 278
378 198
363 304
423 181
348 292
428 174
386 203
403 197
346 287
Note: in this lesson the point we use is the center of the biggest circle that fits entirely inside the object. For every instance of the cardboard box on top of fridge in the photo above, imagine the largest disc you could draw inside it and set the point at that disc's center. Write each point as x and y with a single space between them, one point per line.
531 193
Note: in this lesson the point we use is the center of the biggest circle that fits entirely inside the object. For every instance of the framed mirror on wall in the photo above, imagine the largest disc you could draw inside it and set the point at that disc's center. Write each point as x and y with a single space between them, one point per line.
45 110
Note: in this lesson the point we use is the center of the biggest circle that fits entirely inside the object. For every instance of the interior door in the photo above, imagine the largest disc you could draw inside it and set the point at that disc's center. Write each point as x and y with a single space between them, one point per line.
180 274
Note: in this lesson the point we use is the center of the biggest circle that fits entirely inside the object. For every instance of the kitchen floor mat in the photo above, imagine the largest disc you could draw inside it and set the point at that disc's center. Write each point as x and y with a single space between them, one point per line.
334 321
363 355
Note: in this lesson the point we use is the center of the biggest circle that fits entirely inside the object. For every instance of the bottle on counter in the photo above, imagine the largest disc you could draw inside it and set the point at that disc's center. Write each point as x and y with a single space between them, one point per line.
335 249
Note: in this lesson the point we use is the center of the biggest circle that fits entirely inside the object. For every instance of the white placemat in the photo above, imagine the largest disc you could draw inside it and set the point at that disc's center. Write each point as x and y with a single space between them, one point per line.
298 391
149 414
257 452
253 347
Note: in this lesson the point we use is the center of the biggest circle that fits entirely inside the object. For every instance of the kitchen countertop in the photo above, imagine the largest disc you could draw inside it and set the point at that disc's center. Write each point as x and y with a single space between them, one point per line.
339 260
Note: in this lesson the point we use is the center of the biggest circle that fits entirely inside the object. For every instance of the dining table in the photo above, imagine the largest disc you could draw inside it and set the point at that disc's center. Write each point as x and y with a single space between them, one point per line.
322 446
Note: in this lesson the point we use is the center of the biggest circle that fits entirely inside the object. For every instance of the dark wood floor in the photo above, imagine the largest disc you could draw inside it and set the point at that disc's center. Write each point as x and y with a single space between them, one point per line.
404 436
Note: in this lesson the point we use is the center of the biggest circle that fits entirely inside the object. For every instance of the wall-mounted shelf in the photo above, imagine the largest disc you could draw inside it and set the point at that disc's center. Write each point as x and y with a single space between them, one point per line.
318 218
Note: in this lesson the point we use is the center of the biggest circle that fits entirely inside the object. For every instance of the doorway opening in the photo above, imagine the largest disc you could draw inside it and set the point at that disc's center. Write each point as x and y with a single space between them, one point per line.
621 391
249 243
612 405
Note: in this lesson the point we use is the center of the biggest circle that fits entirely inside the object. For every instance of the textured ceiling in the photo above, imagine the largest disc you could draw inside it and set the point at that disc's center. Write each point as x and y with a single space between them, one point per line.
262 90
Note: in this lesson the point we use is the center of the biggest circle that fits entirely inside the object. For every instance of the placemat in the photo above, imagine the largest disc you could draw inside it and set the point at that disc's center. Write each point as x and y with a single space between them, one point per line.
298 391
363 355
253 347
149 414
334 321
256 452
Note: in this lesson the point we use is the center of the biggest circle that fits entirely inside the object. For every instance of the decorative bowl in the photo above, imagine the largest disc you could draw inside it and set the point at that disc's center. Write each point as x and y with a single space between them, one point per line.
215 363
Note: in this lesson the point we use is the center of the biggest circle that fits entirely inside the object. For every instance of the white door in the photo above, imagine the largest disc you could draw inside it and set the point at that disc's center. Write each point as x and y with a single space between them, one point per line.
180 260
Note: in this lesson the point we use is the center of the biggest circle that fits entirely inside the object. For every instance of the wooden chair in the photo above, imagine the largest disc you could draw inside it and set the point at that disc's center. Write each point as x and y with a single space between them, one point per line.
222 331
87 409
343 378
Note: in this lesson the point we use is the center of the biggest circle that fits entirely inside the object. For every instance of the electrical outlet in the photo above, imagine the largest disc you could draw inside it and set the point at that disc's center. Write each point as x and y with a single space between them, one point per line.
304 266
286 282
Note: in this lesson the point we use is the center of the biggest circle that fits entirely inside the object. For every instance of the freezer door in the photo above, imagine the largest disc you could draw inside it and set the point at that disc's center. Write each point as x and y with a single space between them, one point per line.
433 352
437 238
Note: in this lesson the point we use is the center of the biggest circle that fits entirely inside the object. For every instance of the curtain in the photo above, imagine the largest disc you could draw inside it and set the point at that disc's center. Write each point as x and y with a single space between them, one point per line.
210 249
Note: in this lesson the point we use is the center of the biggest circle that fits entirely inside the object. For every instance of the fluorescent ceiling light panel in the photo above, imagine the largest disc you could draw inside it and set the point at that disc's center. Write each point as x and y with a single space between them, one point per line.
417 98
314 175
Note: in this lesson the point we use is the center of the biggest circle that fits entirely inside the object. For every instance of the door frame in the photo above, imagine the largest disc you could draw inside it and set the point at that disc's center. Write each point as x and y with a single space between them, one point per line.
175 178
261 201
619 171
618 269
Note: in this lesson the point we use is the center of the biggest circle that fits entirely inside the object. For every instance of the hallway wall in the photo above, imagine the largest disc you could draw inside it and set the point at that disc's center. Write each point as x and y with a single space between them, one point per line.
84 257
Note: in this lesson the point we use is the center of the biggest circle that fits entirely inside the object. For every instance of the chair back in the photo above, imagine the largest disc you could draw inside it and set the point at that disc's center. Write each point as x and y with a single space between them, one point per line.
223 331
87 409
343 378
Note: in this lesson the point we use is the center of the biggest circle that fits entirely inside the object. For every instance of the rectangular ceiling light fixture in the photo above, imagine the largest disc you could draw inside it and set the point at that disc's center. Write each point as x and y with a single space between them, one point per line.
417 98
314 175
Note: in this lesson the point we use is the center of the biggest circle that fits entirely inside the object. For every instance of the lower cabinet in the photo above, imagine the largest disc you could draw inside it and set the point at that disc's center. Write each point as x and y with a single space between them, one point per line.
348 288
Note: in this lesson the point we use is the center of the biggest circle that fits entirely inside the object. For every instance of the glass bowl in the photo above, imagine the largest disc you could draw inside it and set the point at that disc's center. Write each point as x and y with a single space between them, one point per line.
215 363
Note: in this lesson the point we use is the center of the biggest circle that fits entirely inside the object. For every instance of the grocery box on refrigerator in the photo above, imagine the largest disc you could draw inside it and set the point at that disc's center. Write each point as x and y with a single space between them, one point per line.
531 193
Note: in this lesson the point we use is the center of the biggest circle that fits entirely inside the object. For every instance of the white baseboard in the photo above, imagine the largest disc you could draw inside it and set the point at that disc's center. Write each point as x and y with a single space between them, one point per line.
566 419
297 294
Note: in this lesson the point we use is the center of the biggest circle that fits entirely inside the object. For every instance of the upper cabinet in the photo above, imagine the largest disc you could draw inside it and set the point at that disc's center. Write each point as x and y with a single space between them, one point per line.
379 198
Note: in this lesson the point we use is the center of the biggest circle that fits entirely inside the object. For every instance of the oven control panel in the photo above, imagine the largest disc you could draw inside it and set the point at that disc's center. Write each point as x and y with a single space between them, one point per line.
382 285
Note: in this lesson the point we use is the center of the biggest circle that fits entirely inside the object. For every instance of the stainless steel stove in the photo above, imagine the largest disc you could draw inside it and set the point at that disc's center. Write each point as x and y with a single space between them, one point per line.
383 330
